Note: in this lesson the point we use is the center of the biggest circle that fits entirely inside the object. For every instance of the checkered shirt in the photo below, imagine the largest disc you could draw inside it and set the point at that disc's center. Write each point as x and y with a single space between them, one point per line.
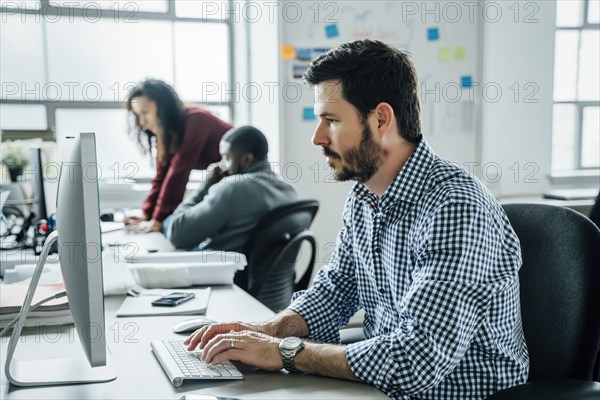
434 263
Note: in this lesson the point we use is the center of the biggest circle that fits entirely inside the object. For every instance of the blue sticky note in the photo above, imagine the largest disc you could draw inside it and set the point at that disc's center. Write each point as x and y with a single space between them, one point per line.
466 81
331 31
304 54
433 34
308 114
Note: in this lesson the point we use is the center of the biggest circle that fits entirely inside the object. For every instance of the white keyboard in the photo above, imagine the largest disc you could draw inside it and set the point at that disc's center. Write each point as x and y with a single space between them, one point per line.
180 364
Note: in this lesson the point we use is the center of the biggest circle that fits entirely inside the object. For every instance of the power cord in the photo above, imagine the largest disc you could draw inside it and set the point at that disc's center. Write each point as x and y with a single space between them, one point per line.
33 307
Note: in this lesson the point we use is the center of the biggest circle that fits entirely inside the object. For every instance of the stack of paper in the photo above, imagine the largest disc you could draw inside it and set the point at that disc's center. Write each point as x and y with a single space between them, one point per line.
182 269
51 313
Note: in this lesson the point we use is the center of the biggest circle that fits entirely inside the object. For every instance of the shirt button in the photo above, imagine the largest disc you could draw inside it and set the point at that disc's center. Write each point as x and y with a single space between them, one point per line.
381 290
378 250
386 330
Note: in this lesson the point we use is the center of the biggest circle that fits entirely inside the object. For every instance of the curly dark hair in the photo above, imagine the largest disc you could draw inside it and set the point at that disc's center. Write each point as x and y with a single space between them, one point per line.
370 72
171 114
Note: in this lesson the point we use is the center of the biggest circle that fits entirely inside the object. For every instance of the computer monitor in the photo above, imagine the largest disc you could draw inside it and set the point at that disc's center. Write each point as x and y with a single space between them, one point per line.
37 185
80 244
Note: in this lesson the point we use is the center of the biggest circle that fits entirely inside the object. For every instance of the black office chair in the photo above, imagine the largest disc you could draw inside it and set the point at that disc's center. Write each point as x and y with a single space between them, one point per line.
272 252
560 302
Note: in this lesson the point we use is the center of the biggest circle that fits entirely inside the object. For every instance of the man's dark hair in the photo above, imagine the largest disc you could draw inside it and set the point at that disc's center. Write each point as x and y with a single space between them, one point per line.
248 139
371 72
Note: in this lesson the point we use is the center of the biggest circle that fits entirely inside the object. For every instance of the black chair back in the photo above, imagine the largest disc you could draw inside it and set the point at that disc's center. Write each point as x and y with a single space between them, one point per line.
272 252
560 290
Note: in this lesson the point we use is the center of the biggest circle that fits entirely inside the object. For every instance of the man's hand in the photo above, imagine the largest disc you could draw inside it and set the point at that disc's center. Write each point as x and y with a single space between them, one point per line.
252 348
203 335
237 341
144 226
216 174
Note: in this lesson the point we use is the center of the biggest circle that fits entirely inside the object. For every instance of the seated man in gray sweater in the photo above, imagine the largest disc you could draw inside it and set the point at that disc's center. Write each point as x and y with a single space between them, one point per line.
221 214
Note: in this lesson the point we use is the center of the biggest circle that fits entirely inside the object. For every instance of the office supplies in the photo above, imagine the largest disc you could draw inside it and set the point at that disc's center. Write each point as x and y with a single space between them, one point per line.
110 226
141 306
173 299
192 325
173 275
52 312
181 269
180 364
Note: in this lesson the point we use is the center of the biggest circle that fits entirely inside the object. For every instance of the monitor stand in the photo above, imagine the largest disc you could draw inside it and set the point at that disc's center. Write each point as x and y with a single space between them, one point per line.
56 371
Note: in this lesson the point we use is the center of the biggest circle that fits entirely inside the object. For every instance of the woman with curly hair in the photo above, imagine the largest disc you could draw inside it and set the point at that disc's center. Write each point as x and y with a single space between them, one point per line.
184 138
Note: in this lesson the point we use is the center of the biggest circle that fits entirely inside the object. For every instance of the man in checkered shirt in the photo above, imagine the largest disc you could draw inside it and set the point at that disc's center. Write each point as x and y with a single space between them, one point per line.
425 250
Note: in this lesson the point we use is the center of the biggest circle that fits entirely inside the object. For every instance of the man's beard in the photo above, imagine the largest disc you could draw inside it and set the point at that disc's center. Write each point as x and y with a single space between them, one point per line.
359 163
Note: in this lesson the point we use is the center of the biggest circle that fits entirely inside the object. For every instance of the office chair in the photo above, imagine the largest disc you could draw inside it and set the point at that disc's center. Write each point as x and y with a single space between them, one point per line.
560 302
272 252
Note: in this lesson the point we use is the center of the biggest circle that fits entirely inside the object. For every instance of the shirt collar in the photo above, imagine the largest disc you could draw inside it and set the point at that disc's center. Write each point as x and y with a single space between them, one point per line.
260 166
408 184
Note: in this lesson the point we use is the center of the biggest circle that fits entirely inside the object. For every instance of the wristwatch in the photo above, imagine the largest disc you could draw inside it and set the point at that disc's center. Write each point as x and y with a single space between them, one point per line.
289 347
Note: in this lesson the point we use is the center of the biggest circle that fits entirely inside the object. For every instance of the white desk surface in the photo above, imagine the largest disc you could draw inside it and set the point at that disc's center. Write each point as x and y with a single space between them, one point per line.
140 376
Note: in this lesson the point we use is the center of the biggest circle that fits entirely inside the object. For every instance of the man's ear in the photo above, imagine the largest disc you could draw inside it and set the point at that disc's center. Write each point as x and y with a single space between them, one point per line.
385 117
247 160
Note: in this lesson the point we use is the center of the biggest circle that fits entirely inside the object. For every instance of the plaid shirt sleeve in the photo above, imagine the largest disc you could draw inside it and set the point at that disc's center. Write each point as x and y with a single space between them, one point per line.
333 299
443 308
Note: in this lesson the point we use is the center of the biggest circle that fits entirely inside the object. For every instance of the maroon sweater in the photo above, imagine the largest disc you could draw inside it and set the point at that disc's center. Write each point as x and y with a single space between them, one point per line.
198 148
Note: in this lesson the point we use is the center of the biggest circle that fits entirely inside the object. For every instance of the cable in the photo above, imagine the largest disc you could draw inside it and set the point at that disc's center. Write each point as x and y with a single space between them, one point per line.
33 307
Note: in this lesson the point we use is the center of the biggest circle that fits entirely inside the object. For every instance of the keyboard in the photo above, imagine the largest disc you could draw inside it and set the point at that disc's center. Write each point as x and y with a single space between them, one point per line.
181 364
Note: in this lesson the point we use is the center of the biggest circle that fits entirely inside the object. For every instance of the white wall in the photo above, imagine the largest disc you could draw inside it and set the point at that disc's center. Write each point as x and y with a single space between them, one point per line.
381 20
517 129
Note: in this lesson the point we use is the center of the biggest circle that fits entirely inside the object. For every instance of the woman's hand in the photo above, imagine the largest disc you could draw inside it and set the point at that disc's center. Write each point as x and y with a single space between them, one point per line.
142 226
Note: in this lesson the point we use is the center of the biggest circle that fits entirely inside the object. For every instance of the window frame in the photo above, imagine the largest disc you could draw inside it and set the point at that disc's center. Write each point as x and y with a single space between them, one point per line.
579 104
48 8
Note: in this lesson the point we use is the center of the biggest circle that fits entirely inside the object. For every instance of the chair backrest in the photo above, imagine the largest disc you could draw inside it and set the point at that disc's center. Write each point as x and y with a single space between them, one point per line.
560 289
272 252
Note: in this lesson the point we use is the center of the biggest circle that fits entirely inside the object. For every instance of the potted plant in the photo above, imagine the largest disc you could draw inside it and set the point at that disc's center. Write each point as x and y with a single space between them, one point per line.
15 158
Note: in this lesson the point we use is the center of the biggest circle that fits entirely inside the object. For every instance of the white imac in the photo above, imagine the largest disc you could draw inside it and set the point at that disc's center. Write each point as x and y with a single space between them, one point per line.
79 238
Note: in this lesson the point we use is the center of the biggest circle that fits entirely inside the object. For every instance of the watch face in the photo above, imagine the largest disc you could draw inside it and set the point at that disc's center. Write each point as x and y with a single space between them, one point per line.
291 342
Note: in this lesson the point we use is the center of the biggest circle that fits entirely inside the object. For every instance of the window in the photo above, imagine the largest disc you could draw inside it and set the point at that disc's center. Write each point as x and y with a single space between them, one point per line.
68 66
576 135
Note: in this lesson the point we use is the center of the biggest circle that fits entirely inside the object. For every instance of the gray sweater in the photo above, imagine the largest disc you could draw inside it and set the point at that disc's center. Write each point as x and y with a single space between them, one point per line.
226 212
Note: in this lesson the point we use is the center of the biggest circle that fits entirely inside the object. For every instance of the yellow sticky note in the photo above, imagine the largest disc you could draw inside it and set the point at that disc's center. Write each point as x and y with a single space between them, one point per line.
460 53
445 53
288 52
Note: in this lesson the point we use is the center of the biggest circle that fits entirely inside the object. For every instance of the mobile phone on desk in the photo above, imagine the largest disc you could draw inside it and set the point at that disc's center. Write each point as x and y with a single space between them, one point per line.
173 299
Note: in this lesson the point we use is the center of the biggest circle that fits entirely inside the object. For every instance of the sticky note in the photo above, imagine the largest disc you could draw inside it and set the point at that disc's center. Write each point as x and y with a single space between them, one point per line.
466 81
304 54
433 34
460 53
308 114
445 54
331 31
288 52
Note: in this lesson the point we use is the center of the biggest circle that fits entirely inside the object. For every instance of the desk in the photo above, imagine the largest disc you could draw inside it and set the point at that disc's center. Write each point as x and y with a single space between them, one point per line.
140 376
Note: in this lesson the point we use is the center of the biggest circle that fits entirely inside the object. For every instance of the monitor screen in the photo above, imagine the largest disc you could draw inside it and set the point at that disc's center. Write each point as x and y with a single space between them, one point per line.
38 186
80 242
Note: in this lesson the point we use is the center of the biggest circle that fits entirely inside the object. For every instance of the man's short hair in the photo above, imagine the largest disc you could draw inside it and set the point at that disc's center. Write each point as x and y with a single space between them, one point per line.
248 139
371 72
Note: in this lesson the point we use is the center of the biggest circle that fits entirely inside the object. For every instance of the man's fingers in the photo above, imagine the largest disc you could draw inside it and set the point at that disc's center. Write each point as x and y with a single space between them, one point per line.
226 343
